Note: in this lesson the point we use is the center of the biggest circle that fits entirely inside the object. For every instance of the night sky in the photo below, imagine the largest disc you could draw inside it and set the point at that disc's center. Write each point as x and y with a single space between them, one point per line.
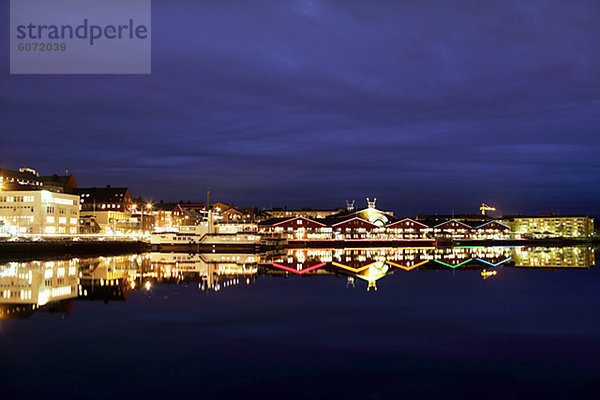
428 106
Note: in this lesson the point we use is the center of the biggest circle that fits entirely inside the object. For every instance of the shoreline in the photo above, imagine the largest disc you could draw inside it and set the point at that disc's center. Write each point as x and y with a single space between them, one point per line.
22 251
10 251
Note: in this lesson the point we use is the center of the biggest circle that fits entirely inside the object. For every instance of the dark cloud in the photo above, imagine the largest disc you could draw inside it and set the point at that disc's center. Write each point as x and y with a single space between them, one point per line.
430 106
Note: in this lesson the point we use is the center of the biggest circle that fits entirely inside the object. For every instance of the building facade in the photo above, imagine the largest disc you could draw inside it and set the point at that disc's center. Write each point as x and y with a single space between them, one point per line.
106 210
11 179
407 229
354 227
297 228
38 212
29 179
551 226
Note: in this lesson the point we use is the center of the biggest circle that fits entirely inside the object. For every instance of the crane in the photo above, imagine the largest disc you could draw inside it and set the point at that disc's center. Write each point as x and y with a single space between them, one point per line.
484 207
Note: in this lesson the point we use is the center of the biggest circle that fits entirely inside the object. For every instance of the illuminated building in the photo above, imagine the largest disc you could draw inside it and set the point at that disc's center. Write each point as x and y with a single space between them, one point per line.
38 212
193 213
105 210
407 229
27 178
179 214
465 228
103 199
297 228
23 177
452 229
170 215
492 230
167 215
219 207
366 224
232 214
352 229
551 226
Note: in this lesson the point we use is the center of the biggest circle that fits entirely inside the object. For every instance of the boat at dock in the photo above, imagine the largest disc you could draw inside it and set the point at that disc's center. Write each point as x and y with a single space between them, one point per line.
201 237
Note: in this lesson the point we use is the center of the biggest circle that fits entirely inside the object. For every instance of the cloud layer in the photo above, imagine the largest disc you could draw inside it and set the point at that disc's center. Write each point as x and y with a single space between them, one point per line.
429 106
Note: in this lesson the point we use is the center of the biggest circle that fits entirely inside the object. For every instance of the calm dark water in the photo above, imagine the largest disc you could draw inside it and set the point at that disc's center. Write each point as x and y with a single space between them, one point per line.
428 332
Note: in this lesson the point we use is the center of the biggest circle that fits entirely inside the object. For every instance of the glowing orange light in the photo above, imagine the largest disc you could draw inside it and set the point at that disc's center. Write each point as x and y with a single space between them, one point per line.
355 270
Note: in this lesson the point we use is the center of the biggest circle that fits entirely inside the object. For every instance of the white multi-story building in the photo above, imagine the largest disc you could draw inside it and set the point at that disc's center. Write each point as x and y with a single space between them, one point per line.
38 212
552 226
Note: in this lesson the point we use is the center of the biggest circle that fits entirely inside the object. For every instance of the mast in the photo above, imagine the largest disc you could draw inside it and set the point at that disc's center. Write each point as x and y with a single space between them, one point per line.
209 212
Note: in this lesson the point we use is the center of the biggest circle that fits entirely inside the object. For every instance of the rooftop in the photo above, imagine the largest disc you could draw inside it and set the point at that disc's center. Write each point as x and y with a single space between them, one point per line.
106 194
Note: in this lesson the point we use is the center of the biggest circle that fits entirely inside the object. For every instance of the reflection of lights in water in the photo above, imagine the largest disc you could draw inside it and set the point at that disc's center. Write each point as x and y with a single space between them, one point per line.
486 274
147 285
43 297
132 284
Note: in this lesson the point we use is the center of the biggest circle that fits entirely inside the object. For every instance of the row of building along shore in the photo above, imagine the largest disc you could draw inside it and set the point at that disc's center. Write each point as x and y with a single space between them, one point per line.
32 204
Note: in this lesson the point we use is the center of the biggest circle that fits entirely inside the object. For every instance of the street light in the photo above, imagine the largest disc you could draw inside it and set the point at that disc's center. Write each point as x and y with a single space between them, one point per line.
149 207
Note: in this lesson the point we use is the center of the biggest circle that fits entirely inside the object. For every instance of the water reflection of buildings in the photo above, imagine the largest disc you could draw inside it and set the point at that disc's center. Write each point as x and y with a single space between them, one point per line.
212 271
52 286
558 257
44 285
374 263
108 278
301 261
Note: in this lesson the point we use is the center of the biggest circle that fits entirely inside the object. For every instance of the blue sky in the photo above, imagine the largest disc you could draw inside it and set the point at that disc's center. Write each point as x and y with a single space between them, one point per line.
428 106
